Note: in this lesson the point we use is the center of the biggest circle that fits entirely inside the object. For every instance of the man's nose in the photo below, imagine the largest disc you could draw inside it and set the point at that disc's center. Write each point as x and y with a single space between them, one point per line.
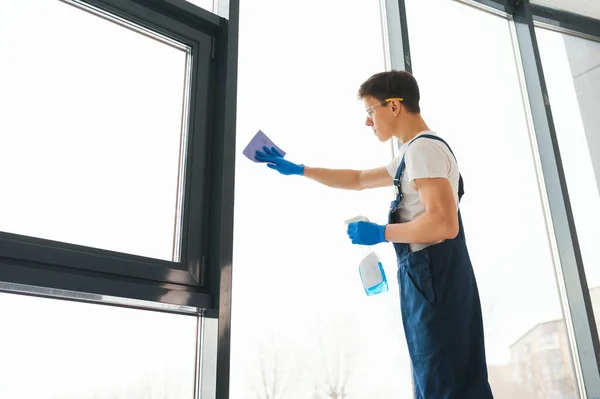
369 122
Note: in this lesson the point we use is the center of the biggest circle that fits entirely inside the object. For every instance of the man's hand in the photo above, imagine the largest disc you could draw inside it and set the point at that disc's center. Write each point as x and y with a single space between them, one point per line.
275 161
366 233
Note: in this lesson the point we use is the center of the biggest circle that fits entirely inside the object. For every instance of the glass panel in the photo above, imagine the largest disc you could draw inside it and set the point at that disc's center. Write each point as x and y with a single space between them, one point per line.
206 4
471 95
210 343
57 349
572 71
302 324
589 8
91 137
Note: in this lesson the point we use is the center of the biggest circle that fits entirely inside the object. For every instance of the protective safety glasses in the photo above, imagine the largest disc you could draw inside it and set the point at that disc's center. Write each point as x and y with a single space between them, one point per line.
371 109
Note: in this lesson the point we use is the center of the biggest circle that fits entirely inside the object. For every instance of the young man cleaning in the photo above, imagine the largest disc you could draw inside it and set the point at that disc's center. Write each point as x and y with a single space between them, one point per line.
439 299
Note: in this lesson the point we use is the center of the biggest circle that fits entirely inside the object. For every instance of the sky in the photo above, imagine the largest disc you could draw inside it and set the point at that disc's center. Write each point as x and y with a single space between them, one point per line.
97 165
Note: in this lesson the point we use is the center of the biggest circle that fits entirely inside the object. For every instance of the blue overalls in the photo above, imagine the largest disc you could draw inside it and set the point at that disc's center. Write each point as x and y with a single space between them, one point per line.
441 313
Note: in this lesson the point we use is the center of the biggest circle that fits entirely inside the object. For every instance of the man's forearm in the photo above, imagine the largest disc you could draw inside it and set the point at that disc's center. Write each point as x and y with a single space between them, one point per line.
426 228
336 178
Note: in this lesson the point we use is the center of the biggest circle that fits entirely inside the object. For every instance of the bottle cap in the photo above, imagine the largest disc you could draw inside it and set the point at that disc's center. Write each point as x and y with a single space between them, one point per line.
357 219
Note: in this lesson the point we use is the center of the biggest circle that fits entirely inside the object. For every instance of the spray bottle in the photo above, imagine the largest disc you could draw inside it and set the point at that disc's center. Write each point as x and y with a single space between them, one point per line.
370 268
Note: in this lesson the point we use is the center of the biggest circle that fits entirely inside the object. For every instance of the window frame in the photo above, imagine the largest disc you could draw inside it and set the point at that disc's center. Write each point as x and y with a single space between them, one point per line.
565 21
32 261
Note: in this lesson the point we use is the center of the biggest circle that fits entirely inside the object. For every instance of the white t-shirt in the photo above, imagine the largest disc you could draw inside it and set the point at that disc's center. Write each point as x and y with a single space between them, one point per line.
425 158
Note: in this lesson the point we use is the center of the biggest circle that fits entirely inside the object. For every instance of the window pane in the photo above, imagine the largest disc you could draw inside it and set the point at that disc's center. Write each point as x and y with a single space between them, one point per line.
206 4
91 130
471 95
57 349
572 72
302 323
210 346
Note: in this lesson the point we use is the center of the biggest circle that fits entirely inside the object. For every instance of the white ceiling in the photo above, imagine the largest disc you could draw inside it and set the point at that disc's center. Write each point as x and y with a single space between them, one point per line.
589 8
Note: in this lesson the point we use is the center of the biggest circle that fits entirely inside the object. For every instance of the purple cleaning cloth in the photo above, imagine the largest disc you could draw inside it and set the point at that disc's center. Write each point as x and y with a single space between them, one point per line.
257 143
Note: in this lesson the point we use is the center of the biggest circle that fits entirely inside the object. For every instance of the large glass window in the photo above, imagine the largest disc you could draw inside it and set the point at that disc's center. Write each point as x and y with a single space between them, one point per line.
302 324
471 96
572 71
56 349
93 129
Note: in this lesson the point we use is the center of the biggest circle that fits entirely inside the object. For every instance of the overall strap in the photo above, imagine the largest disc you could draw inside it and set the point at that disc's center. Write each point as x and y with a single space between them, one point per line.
400 170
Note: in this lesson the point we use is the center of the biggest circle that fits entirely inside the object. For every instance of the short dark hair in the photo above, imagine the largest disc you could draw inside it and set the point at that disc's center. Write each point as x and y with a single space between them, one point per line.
391 84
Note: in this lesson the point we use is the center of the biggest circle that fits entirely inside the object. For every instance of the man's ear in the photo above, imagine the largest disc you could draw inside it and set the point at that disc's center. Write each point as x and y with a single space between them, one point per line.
395 107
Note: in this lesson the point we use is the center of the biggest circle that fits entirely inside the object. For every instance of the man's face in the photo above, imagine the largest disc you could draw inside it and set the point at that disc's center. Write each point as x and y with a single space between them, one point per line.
381 117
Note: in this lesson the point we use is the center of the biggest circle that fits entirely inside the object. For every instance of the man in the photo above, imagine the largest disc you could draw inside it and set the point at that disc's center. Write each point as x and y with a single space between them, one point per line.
440 305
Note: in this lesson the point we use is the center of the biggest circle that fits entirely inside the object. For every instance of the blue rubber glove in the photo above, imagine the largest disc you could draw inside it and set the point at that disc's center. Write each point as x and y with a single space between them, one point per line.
275 161
366 233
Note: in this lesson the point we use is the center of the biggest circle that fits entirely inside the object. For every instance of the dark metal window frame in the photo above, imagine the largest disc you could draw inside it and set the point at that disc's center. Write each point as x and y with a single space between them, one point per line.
567 21
208 193
571 278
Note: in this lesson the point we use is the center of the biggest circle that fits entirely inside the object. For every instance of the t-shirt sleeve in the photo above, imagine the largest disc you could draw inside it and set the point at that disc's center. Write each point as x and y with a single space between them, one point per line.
392 167
425 159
